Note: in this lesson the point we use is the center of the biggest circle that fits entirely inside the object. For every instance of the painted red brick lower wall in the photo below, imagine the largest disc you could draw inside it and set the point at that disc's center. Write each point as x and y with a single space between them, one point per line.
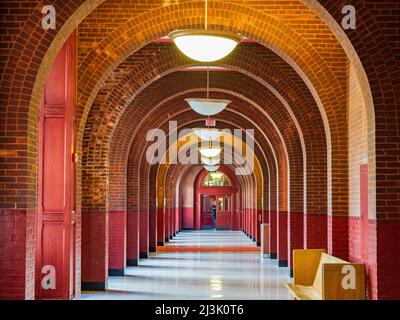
132 237
246 221
338 238
160 226
295 234
144 232
355 253
166 224
94 247
282 238
315 231
152 229
171 222
265 216
116 238
255 222
354 232
236 220
17 254
383 256
273 234
177 219
388 259
250 222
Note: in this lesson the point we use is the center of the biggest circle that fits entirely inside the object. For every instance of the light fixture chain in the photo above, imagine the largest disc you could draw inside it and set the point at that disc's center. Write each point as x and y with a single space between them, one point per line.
208 82
206 15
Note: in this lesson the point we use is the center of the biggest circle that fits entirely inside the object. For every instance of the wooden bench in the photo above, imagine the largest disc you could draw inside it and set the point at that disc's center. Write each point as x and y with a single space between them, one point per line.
320 276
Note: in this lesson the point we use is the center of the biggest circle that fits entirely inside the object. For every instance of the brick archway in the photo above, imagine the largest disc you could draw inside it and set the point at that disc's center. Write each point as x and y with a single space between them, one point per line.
24 96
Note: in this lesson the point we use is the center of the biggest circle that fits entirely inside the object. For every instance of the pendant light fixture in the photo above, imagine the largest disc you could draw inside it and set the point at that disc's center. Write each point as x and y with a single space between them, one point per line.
207 134
211 168
210 161
210 152
207 107
203 45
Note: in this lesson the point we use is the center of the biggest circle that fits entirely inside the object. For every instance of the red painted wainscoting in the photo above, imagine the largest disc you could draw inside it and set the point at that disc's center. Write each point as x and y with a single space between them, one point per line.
167 222
187 218
388 258
160 227
132 238
116 243
152 230
282 238
144 234
315 231
94 250
383 256
236 220
273 234
295 235
17 254
338 238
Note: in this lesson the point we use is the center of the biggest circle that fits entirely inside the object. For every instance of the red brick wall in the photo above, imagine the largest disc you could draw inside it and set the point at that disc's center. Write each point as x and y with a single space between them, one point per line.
17 248
295 234
375 41
117 240
132 240
95 247
282 235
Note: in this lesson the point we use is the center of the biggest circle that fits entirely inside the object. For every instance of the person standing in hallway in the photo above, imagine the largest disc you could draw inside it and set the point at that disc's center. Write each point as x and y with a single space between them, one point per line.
214 213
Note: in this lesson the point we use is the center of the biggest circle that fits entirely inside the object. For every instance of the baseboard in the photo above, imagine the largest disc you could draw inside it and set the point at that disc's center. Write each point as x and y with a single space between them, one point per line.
116 272
131 263
94 286
282 263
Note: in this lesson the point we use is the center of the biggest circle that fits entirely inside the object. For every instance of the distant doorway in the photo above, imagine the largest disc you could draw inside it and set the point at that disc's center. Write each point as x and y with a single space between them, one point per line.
216 201
208 212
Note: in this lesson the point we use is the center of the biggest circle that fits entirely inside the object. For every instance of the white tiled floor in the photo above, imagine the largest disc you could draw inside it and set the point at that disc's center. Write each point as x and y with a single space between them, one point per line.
201 275
211 238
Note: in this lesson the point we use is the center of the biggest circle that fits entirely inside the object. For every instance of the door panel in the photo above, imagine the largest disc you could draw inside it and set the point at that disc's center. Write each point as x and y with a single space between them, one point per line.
56 229
224 208
206 211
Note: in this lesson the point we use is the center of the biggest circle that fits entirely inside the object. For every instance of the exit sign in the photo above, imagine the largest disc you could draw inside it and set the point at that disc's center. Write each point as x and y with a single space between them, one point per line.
211 122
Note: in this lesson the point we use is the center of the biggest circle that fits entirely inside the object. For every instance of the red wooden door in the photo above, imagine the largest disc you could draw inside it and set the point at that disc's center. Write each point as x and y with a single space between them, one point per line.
56 227
206 211
224 211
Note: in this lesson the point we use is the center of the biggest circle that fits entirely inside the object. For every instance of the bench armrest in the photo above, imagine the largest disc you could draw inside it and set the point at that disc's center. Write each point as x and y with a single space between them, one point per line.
305 265
343 281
